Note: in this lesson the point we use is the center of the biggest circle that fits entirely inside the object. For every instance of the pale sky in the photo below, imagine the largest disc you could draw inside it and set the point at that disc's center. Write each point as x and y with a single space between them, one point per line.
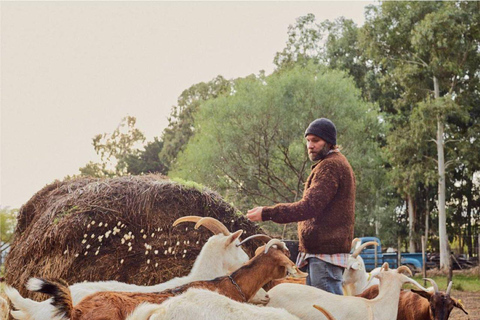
71 70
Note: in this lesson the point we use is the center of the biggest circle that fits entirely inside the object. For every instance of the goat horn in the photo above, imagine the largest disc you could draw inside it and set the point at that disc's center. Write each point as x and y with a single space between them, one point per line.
359 249
405 269
434 284
354 242
449 288
327 314
262 237
187 218
213 225
273 242
384 267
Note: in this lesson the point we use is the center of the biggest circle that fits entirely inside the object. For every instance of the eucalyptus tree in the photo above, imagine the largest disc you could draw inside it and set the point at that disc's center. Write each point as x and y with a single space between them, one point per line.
429 49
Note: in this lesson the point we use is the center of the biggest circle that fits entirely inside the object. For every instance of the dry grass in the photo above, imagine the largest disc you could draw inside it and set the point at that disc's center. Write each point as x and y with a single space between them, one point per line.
114 229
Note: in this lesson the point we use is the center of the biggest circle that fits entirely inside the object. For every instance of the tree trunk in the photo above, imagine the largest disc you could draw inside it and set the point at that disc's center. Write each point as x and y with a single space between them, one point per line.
442 214
427 216
411 224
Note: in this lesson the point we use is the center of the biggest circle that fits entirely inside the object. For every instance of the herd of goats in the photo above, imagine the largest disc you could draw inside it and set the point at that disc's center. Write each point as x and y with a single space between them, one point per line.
236 291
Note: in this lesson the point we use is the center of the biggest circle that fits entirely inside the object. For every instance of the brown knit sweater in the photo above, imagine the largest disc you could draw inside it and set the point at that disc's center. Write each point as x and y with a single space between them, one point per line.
326 213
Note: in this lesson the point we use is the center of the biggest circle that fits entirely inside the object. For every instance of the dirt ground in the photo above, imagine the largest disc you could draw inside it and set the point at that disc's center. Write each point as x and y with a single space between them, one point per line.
471 300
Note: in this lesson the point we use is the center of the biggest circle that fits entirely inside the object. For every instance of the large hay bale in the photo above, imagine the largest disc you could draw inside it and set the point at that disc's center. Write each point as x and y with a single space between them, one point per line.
114 229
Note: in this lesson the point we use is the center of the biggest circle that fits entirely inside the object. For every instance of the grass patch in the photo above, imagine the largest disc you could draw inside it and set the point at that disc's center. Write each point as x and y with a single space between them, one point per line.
461 282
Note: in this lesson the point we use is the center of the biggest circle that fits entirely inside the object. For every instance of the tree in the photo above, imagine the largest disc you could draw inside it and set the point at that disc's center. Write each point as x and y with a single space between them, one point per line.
114 150
8 219
249 145
180 127
429 49
148 160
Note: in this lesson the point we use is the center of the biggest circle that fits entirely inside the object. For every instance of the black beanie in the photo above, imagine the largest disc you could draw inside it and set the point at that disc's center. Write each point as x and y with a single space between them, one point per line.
324 129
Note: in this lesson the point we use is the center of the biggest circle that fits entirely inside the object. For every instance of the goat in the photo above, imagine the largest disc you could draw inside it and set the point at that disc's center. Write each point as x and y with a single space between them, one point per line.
269 262
422 305
197 304
298 299
219 256
3 308
355 277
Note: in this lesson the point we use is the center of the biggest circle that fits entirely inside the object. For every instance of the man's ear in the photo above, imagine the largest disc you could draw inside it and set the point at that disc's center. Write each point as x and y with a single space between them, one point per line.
234 236
426 294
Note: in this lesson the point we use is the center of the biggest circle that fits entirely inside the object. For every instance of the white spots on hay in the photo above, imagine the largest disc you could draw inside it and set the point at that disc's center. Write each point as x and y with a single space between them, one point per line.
122 241
121 261
76 255
152 235
92 223
148 261
169 249
142 231
85 235
165 243
147 246
156 251
92 236
100 224
146 252
129 244
100 238
88 246
119 223
165 253
130 249
183 256
178 243
65 252
186 229
84 241
184 251
86 252
144 236
106 225
156 265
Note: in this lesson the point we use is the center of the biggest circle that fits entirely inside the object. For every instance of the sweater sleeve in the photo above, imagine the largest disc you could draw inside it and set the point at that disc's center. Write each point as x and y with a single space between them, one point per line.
321 192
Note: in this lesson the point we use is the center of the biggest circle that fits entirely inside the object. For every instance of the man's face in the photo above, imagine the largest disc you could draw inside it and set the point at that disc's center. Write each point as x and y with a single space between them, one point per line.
317 147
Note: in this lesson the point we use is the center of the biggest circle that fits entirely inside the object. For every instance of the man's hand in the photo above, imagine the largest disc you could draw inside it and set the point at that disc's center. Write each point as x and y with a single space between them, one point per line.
255 214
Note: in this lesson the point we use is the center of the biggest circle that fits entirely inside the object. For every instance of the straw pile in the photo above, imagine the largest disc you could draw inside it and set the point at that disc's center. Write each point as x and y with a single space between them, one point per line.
114 229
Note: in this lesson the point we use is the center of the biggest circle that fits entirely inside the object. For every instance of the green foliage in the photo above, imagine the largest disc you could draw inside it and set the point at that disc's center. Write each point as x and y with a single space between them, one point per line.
250 147
8 221
147 160
180 127
114 149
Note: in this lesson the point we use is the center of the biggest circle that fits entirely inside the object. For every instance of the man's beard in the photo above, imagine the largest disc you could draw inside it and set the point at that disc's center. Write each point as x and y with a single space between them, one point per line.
321 154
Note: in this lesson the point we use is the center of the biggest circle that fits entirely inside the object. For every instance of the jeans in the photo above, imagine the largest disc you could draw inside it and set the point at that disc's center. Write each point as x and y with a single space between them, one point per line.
324 275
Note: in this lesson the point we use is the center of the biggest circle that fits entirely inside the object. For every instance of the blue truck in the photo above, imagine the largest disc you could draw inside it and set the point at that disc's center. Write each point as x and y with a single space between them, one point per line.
413 261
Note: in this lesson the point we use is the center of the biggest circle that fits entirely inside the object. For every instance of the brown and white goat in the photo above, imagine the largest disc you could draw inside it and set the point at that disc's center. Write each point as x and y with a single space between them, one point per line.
422 305
270 262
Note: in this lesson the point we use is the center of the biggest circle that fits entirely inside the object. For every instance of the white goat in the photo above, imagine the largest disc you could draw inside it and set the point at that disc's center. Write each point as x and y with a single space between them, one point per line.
355 277
197 304
298 299
219 256
3 308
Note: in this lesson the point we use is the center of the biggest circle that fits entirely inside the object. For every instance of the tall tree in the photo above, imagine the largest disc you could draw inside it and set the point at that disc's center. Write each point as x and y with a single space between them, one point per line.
428 48
250 146
114 149
180 127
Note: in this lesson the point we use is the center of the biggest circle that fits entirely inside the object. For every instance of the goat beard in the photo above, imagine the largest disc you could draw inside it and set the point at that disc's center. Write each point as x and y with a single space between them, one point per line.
320 155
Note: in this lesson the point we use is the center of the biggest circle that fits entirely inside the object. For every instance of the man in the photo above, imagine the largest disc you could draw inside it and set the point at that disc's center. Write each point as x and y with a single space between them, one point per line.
325 213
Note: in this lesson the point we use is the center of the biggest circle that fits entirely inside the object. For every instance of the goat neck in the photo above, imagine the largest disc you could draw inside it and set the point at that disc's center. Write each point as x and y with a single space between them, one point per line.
262 269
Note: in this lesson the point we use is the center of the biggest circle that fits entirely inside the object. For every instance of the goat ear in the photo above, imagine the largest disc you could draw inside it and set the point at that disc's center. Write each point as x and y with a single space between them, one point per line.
355 266
234 236
426 294
459 305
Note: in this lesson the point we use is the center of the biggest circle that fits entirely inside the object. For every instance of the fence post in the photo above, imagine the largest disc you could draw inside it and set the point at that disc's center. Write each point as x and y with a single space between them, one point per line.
424 262
478 249
399 252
